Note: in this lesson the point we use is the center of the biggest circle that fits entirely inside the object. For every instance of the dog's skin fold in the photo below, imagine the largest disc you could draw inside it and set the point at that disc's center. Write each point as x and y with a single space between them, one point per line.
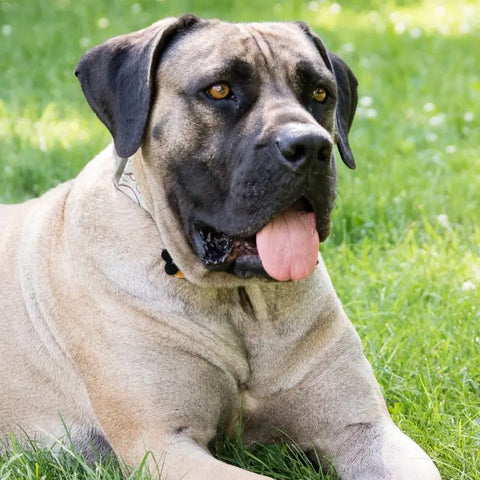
94 332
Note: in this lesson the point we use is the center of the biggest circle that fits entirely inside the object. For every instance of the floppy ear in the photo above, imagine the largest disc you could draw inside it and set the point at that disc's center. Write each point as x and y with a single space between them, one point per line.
118 79
346 92
346 105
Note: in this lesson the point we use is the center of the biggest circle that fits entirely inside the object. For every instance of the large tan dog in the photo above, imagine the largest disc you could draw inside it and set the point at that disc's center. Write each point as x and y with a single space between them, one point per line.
229 131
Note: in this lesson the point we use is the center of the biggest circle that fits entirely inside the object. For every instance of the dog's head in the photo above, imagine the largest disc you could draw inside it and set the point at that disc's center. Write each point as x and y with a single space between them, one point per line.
235 126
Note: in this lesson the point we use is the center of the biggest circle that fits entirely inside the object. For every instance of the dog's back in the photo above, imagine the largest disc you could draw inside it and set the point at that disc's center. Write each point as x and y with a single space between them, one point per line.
27 358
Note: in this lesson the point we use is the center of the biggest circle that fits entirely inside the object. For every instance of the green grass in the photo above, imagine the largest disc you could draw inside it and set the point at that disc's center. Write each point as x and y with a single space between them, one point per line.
404 253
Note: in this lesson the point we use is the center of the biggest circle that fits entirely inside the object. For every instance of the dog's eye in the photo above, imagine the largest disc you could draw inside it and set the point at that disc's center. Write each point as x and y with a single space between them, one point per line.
319 94
219 91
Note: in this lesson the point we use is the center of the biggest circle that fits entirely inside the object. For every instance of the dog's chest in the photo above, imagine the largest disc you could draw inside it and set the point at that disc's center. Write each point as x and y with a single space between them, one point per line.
251 331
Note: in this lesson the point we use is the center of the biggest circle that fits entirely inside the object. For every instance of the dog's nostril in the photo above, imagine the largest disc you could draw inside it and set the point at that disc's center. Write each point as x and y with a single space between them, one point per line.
293 152
325 152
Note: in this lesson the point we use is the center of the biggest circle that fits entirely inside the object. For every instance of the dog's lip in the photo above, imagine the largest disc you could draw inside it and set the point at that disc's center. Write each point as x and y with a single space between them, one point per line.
236 254
218 251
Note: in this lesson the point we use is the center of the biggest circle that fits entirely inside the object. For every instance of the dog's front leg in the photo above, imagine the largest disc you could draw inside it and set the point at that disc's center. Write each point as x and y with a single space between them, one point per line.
333 403
164 395
375 450
171 456
183 458
354 430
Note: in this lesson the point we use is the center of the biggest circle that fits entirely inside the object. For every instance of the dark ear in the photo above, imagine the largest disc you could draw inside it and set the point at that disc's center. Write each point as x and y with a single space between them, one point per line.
346 106
118 79
346 92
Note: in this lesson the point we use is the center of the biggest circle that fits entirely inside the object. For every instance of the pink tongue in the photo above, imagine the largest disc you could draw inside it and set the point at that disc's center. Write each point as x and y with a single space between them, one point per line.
288 245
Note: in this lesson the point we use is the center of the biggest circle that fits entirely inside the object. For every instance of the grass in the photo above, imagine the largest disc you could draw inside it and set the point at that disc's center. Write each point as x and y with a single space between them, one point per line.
404 253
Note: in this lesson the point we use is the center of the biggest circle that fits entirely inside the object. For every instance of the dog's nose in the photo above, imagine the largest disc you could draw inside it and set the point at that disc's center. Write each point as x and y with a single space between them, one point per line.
301 146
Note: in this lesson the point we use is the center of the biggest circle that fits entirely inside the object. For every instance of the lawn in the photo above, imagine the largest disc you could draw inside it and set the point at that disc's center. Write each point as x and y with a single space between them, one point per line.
404 253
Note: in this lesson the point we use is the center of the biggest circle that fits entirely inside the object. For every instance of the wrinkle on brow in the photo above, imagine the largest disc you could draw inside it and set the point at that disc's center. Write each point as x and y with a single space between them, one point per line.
263 47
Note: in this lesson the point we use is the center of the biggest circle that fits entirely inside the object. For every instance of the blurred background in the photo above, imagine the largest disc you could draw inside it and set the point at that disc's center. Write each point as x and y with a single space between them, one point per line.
404 250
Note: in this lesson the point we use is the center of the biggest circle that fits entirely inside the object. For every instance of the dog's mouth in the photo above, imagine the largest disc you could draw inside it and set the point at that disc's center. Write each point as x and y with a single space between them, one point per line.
220 252
286 248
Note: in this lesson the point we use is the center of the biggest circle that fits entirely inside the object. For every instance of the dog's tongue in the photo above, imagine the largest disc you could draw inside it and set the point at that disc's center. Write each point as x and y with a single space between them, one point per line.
288 245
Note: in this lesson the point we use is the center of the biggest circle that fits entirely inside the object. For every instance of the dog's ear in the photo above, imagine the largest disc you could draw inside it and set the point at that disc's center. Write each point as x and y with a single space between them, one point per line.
118 79
346 106
346 91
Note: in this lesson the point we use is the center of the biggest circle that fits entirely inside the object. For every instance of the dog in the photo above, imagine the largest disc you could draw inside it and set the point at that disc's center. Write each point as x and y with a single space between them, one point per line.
173 291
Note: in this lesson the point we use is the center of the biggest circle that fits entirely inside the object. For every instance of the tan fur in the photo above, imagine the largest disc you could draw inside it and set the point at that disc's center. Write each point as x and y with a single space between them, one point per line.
94 331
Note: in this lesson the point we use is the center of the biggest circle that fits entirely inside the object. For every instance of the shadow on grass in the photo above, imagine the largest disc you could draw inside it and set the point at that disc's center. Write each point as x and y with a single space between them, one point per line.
282 461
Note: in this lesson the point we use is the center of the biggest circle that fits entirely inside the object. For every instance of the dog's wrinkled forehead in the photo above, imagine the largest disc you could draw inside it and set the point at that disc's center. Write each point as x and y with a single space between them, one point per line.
214 48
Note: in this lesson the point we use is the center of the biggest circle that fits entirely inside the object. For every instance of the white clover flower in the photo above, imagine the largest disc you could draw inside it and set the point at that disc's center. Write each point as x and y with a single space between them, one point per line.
335 8
366 112
464 28
437 120
476 272
429 107
451 149
431 137
348 47
400 28
468 116
7 30
394 16
468 286
416 32
103 22
442 219
42 141
366 101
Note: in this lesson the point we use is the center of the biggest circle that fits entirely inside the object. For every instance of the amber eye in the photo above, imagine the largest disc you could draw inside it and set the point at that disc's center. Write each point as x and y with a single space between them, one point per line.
219 91
319 94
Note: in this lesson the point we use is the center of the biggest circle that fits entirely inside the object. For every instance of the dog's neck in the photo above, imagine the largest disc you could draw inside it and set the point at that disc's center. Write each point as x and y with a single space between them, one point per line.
125 181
